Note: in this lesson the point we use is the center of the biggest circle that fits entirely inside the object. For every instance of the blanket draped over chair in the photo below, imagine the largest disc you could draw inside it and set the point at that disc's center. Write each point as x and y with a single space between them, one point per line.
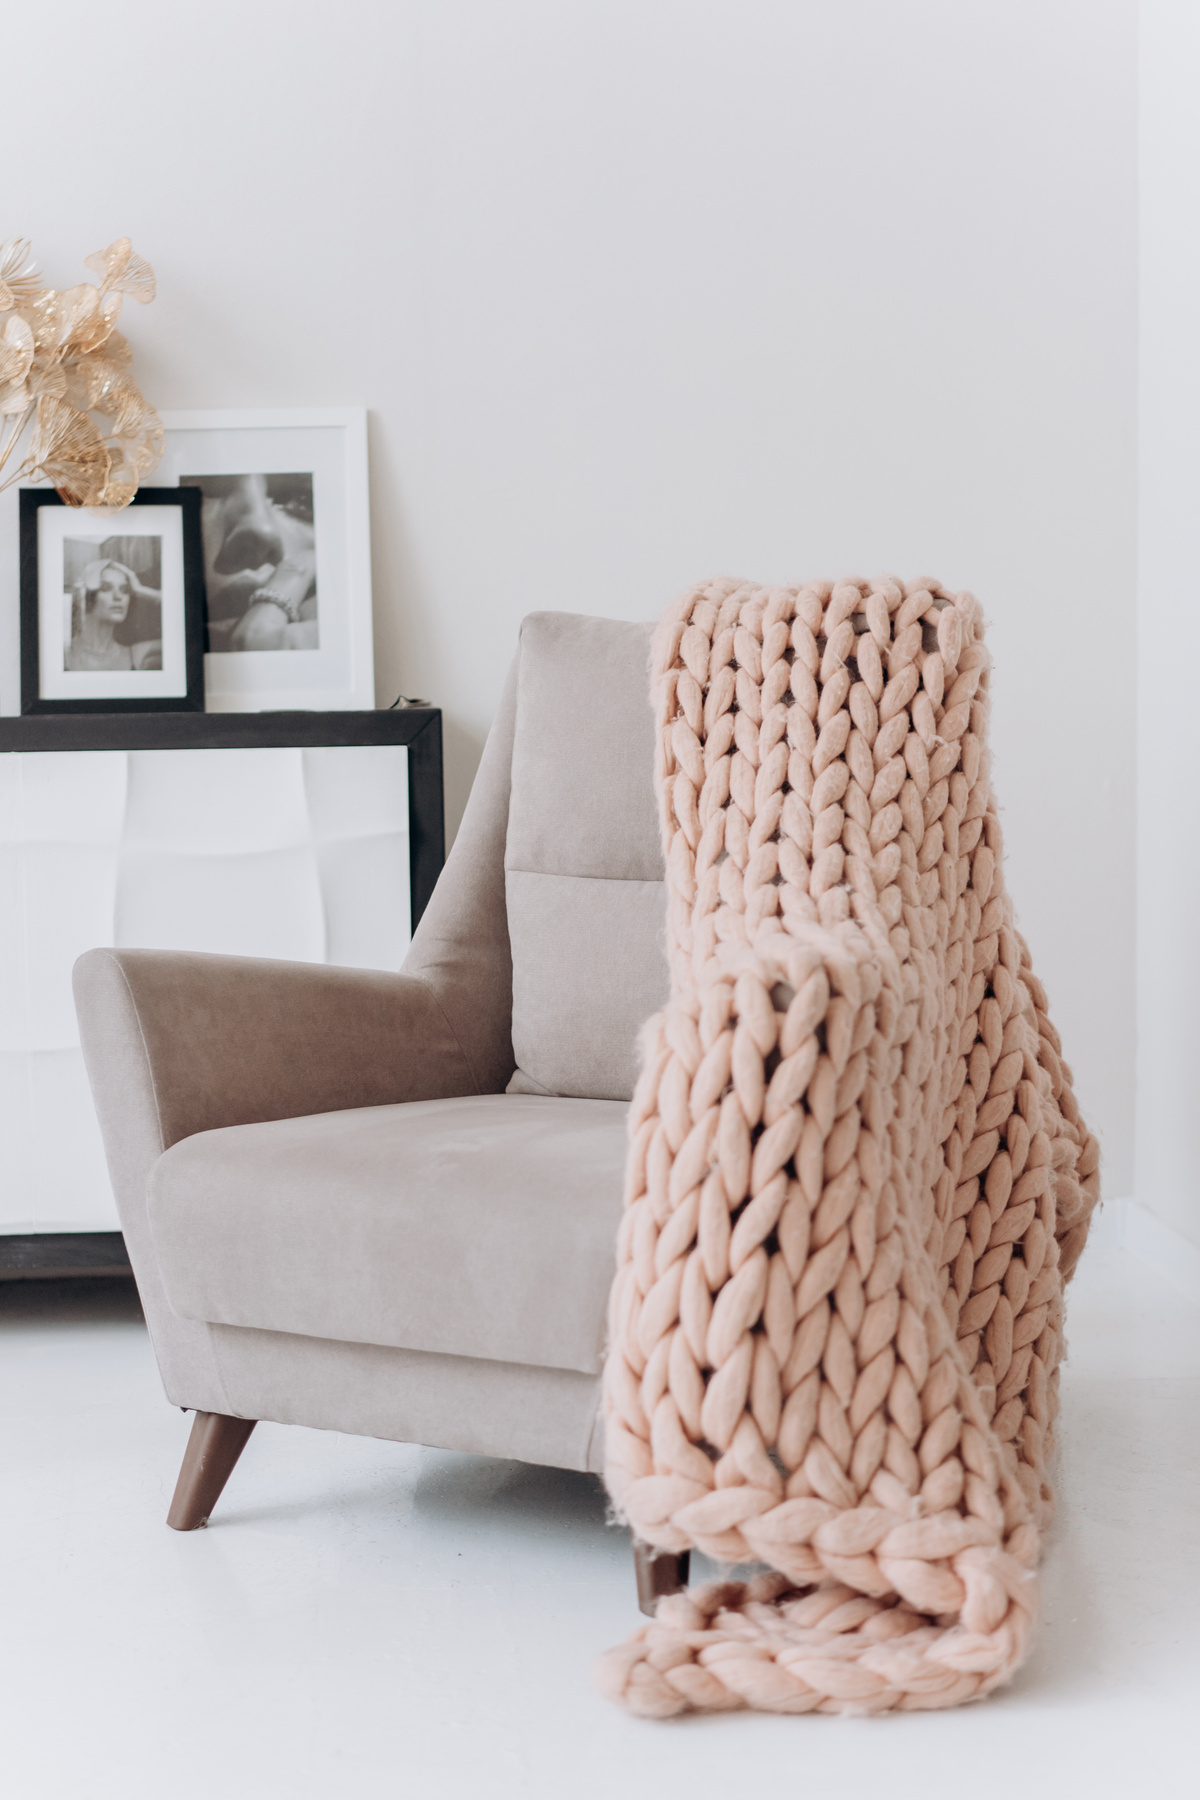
857 1178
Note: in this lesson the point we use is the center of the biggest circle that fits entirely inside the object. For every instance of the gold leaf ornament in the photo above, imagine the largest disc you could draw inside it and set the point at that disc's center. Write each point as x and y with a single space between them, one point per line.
70 452
143 452
134 456
19 279
97 385
123 271
73 322
16 360
48 380
116 350
70 409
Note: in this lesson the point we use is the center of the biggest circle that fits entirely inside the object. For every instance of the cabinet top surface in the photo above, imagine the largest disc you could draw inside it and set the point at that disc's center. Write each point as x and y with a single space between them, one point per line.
211 731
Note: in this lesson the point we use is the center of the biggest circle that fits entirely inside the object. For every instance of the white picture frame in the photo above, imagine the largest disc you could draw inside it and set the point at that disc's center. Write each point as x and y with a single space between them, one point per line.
329 446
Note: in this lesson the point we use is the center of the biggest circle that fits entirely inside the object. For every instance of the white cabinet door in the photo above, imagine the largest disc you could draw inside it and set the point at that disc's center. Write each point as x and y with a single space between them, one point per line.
294 853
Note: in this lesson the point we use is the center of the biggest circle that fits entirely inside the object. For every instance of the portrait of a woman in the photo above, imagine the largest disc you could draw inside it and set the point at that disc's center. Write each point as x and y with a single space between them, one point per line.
115 620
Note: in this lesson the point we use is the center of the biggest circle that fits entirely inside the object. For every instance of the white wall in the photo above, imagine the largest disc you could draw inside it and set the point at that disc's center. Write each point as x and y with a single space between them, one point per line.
641 290
1168 1086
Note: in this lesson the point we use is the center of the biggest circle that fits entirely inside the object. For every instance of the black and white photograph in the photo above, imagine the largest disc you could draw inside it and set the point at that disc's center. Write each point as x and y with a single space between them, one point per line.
260 561
112 603
287 554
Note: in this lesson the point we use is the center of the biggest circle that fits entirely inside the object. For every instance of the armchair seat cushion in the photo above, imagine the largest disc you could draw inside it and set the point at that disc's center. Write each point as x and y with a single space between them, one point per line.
481 1226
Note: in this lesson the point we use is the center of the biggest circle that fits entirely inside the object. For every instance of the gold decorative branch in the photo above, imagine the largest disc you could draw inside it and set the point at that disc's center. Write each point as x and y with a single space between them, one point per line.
68 402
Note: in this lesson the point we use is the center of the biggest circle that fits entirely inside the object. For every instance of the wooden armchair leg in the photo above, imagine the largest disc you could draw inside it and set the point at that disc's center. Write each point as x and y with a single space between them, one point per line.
212 1450
658 1573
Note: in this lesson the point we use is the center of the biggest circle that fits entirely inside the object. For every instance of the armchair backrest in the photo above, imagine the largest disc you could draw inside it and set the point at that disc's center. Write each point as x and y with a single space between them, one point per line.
544 937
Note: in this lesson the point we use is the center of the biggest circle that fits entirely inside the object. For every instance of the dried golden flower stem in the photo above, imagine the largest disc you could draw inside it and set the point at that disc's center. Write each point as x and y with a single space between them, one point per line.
62 360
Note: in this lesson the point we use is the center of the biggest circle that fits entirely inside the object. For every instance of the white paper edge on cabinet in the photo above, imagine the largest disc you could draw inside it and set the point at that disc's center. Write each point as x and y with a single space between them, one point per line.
340 675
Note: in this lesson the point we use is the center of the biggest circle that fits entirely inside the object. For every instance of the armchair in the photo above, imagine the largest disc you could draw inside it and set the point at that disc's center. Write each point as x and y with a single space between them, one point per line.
387 1203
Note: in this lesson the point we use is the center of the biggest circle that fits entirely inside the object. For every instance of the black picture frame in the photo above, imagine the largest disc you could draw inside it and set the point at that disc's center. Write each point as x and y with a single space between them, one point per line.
188 500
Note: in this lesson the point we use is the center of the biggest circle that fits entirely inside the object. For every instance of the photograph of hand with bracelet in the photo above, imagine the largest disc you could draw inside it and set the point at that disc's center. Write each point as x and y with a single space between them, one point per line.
260 561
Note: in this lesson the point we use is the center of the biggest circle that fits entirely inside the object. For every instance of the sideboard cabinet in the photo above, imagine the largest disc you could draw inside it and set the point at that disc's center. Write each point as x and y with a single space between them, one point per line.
315 837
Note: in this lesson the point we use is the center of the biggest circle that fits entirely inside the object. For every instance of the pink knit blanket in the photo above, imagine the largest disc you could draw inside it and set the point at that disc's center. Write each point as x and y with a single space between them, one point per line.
857 1177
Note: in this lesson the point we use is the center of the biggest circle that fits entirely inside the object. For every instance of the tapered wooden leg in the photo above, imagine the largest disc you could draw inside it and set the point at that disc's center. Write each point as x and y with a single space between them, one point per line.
213 1448
658 1573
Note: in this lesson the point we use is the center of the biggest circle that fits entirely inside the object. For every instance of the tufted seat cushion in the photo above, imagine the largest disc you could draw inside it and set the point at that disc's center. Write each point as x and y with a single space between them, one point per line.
482 1226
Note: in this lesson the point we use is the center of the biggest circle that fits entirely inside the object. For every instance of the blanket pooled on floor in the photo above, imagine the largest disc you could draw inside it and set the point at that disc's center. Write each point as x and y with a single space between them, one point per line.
857 1178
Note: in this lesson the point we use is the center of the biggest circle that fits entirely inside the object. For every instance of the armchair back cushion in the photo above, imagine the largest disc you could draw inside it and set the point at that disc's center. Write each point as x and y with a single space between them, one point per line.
583 865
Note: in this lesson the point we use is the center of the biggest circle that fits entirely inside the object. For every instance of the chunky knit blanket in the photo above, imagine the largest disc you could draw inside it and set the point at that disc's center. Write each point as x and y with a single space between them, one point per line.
857 1178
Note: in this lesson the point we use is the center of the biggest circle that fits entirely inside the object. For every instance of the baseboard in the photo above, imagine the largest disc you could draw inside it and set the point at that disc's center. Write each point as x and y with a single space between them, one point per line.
1127 1224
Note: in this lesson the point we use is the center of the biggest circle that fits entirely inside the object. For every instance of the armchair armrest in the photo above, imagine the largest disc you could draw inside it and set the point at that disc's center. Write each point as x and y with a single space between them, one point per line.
178 1043
225 1040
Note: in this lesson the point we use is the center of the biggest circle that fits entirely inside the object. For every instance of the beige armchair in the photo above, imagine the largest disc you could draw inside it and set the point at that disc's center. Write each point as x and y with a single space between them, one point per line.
387 1204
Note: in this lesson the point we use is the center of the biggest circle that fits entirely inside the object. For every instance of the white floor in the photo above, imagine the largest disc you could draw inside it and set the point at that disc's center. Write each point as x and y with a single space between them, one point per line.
367 1620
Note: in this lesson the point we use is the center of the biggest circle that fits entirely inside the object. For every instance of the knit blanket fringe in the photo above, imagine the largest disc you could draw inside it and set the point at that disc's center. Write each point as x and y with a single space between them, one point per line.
857 1178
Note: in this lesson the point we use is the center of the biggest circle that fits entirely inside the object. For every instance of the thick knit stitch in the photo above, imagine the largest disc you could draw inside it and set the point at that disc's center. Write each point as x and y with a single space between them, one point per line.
857 1177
